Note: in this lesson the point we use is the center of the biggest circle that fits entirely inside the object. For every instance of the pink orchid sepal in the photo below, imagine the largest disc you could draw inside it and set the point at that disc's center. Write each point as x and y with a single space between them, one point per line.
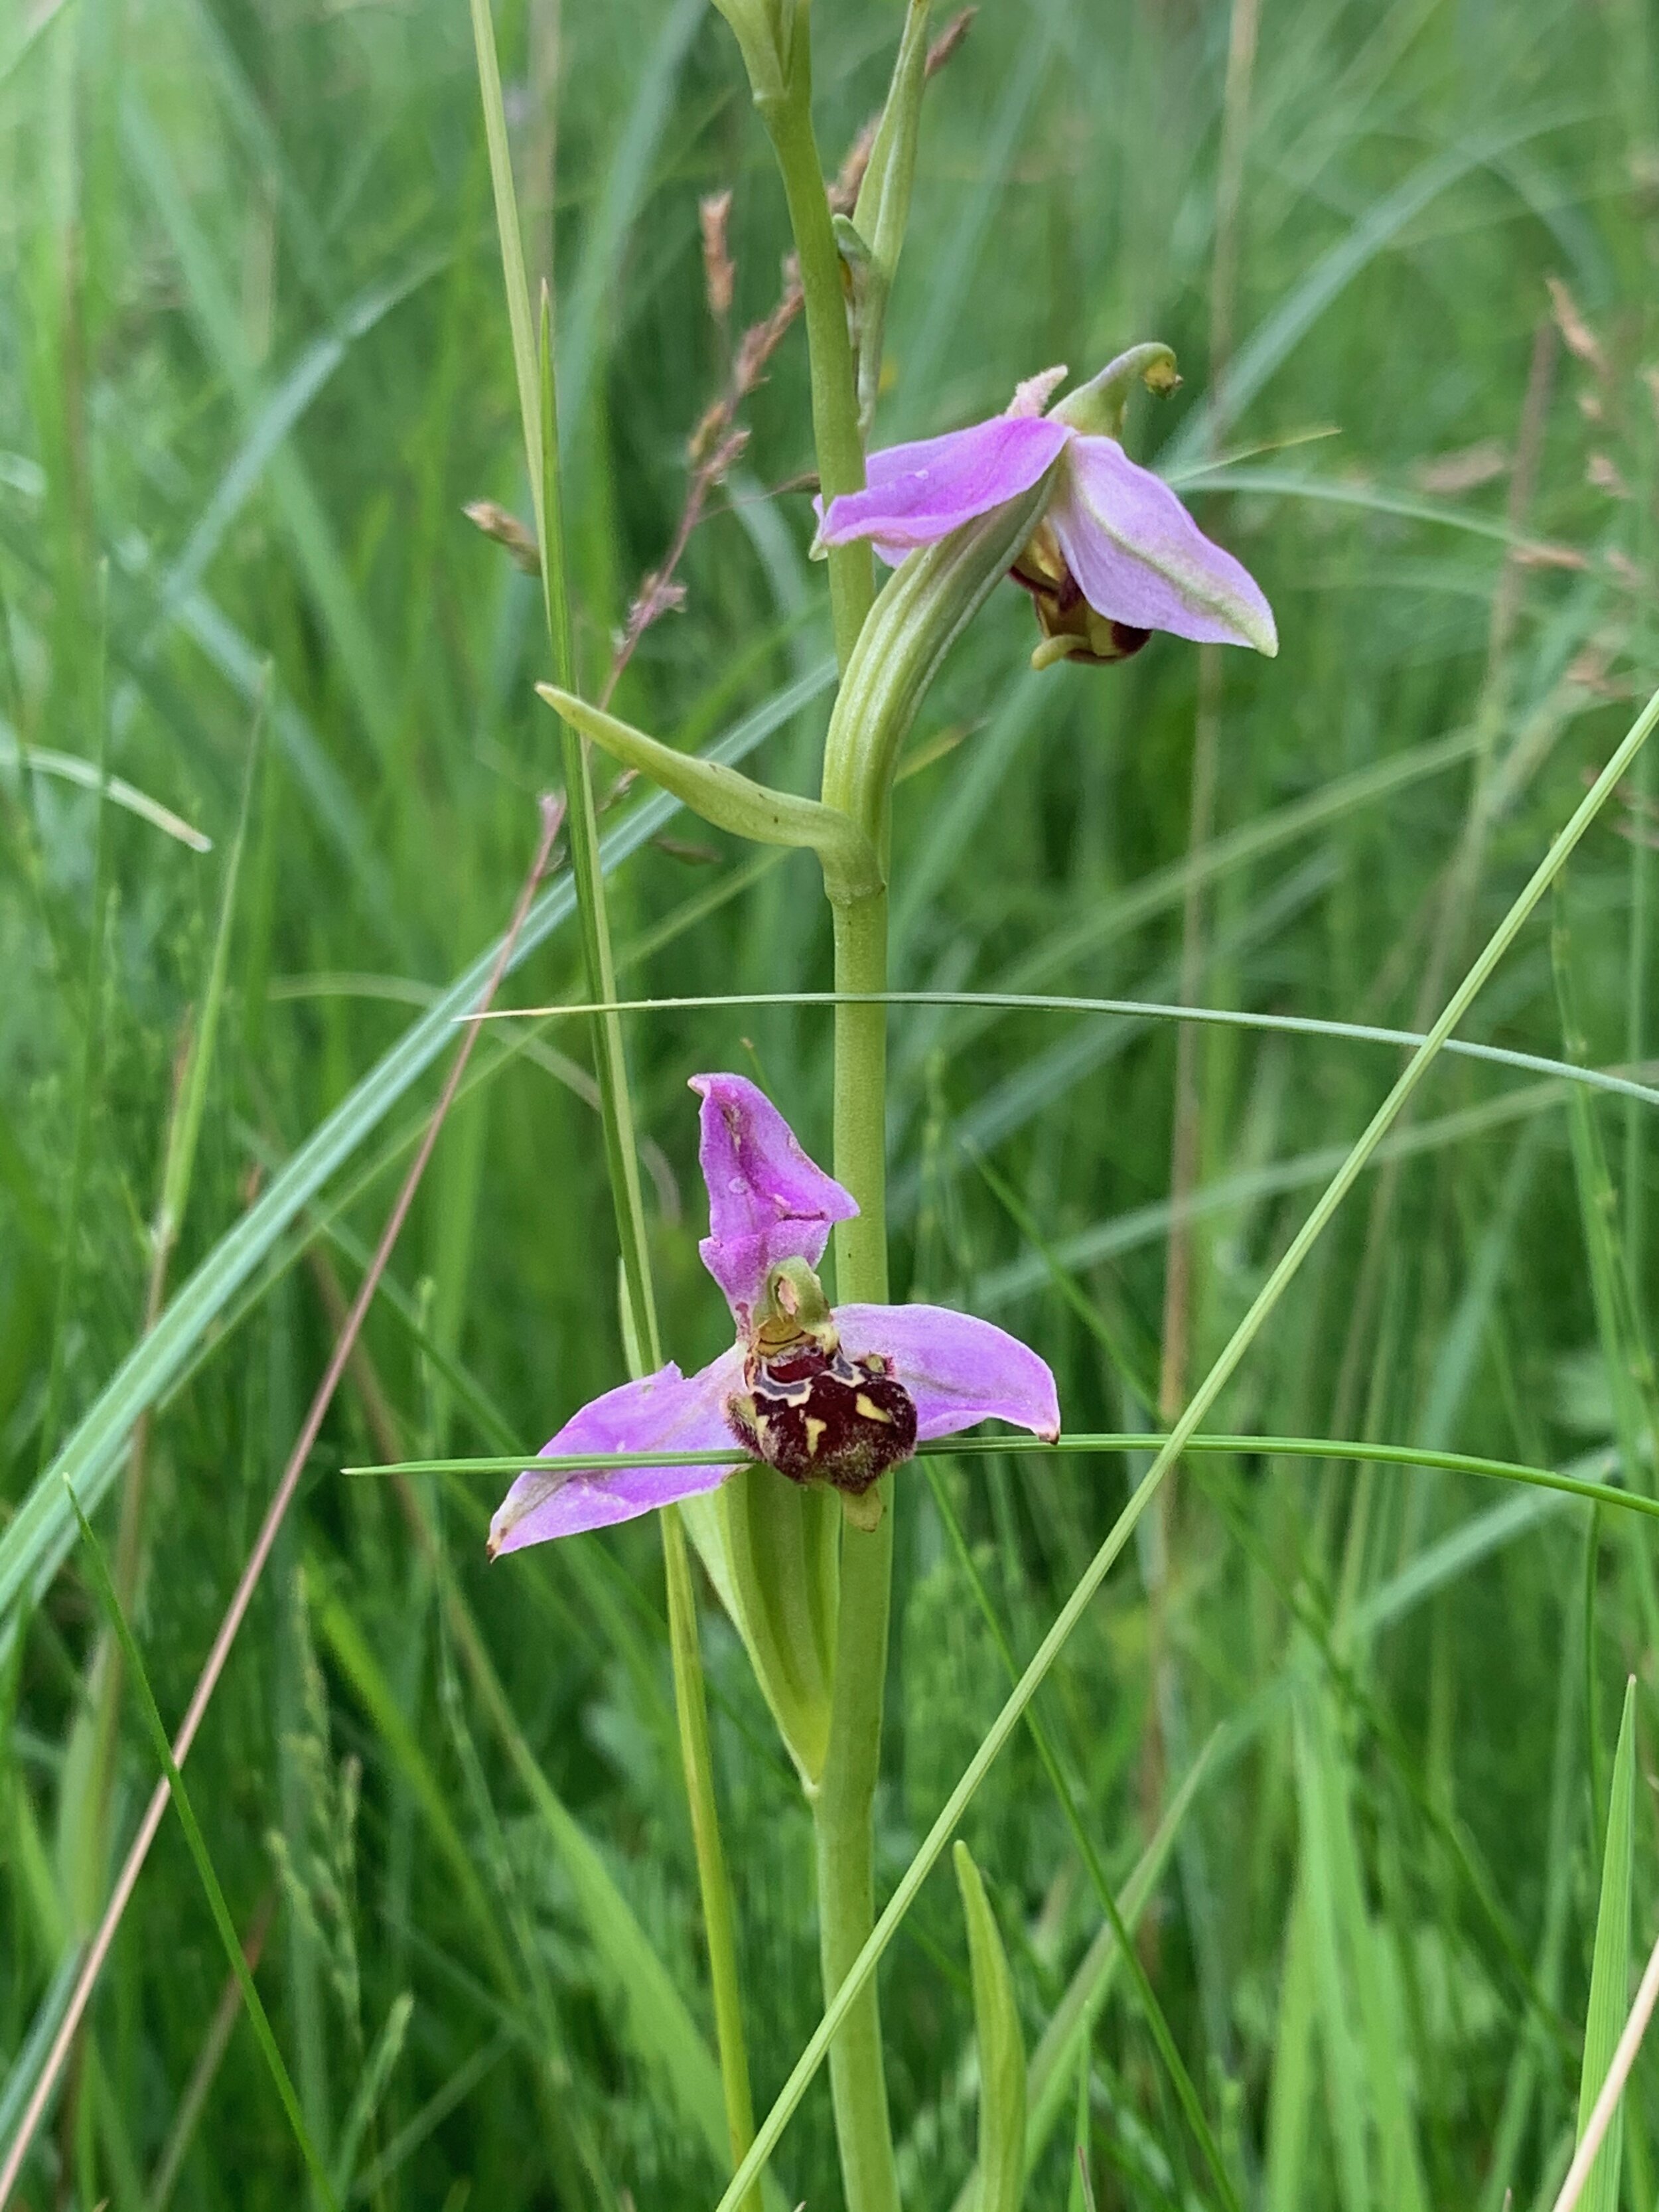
827 1396
1113 555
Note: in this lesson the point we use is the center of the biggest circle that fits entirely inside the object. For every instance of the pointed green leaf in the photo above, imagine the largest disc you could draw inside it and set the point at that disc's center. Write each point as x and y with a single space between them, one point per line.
733 801
1610 1991
1002 2050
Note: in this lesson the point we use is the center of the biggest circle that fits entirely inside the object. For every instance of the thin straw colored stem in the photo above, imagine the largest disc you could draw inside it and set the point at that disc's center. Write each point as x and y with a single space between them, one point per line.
1613 2088
310 1429
534 366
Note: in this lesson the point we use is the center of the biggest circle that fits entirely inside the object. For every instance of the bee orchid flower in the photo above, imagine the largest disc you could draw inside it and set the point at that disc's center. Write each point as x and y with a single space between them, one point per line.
1114 555
826 1395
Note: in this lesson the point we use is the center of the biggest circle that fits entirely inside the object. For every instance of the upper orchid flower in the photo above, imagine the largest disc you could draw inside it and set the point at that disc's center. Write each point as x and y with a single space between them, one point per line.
830 1397
1116 555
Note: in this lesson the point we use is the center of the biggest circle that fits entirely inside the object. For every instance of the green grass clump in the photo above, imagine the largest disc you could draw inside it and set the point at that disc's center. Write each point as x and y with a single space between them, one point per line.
1339 1732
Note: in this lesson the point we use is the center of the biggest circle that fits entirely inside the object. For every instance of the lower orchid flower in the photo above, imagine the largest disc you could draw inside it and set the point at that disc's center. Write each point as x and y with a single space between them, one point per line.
836 1396
1116 554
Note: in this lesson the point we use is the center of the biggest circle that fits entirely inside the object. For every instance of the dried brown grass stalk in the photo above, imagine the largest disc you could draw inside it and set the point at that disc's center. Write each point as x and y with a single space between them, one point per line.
236 1613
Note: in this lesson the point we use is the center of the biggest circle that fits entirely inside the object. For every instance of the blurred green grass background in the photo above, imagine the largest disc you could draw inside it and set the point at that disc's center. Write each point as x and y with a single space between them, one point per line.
255 362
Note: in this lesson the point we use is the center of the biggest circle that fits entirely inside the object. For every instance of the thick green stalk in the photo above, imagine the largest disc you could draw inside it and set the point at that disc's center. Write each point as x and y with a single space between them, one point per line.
911 628
828 346
843 1806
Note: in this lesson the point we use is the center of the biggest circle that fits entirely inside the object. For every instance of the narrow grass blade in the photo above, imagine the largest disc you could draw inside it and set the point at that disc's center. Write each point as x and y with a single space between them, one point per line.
24 2069
1064 2043
654 2014
1025 1002
278 414
328 578
1146 1997
92 1553
621 196
70 768
186 2117
1408 1456
1607 2105
1080 2196
1273 340
1339 2030
437 2109
186 1128
1609 1989
92 1048
1002 2050
352 1654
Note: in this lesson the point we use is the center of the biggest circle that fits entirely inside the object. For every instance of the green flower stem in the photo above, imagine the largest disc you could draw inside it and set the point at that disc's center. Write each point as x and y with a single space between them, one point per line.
911 628
829 349
843 1806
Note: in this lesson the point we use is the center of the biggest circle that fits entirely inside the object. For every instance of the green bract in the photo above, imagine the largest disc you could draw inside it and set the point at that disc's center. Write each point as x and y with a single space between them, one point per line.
730 800
883 209
922 610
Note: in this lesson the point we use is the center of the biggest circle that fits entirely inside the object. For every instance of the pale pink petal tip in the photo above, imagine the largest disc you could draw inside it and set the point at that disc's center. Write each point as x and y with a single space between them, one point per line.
1141 559
663 1411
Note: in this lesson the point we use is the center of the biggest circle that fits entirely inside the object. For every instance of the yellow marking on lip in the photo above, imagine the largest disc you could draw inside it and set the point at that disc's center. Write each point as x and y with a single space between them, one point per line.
763 1422
815 1429
871 1411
